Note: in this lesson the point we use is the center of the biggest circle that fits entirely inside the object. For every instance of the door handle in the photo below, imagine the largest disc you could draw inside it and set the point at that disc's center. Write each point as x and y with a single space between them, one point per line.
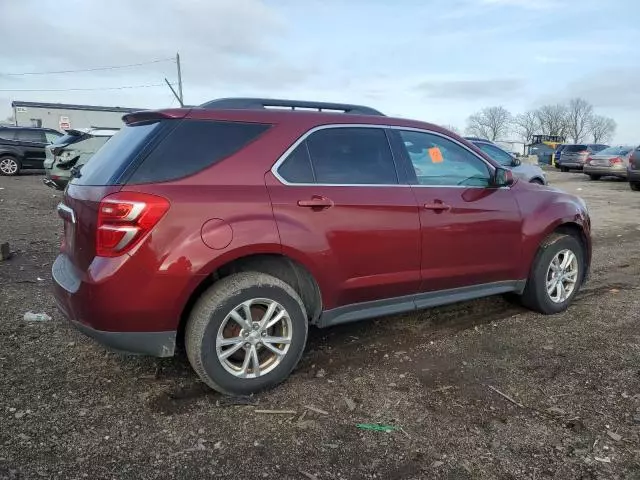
437 207
316 202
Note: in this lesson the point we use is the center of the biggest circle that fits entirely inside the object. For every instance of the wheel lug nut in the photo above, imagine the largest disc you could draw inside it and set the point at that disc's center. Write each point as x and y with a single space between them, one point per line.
247 345
264 334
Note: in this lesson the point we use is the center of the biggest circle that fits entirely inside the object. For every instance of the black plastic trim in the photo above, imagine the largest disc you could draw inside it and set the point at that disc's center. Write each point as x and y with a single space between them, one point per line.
392 306
264 103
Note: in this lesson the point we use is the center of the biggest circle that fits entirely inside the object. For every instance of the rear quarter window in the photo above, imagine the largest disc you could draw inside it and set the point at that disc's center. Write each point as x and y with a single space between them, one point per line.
193 146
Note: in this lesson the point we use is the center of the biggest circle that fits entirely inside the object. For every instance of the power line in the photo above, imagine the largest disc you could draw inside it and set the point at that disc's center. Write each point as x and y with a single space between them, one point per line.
96 69
80 89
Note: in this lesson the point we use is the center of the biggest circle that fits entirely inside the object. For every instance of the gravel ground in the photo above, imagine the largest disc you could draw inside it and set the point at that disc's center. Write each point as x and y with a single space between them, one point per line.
483 389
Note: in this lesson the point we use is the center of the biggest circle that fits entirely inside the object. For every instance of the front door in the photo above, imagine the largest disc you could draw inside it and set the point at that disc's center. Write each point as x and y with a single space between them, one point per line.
33 142
342 210
471 231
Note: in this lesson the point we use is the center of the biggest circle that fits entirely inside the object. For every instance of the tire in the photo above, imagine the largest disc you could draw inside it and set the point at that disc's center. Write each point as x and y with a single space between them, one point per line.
594 177
536 296
9 166
213 310
635 186
564 169
536 181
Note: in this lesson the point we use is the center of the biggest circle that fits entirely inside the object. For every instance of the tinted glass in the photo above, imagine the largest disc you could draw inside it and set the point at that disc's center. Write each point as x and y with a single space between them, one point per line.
192 146
438 161
7 133
35 136
297 167
500 156
615 151
574 148
67 139
106 166
597 147
349 156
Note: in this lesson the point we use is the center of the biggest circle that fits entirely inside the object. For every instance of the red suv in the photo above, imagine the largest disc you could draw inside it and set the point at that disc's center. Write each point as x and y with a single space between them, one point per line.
235 225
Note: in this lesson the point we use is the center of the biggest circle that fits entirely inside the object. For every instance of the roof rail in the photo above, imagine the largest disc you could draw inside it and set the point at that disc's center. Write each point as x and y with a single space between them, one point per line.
279 104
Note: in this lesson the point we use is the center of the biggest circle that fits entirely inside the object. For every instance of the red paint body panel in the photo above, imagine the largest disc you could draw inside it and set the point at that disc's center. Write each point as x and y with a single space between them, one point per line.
372 243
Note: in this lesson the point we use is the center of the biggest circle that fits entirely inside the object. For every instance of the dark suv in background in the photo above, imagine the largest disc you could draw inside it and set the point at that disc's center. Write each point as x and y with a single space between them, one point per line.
24 148
235 225
633 173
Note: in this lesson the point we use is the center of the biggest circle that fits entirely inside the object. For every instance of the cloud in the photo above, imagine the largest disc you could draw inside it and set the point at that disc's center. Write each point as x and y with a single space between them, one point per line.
221 43
612 88
472 89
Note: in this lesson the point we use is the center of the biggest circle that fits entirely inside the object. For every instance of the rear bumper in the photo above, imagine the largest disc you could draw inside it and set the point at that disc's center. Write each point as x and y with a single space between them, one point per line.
53 181
605 171
571 164
102 311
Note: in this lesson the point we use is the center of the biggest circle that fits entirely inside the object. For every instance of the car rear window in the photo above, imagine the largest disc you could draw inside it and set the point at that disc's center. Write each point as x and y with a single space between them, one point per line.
67 139
615 151
194 145
111 161
574 148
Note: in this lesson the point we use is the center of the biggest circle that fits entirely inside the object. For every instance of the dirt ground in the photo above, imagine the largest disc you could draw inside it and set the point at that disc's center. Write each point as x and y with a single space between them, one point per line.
71 409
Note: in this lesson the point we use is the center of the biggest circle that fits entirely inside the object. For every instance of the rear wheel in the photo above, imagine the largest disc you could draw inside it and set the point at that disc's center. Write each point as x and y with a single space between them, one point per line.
246 333
594 177
635 186
556 275
9 166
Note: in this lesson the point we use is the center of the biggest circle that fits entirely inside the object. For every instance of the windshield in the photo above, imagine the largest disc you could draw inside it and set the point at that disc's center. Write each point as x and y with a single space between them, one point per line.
615 151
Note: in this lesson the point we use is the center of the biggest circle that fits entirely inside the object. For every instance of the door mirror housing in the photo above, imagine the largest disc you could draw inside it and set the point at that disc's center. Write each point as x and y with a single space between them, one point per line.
516 162
503 178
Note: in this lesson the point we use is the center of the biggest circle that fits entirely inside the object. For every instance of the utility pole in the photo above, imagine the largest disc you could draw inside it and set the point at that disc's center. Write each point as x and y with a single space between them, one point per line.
177 94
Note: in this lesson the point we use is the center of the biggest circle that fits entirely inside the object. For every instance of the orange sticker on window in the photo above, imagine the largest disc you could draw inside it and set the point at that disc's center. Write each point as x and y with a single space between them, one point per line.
436 155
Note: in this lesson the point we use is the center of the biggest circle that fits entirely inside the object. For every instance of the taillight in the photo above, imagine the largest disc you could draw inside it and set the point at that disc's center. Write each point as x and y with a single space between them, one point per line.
615 160
124 218
589 160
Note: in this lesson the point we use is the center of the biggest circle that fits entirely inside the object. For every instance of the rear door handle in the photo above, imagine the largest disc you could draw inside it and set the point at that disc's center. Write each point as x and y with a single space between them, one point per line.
437 207
316 202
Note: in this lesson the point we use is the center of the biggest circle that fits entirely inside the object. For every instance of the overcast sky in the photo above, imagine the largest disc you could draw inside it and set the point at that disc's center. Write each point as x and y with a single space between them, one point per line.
434 60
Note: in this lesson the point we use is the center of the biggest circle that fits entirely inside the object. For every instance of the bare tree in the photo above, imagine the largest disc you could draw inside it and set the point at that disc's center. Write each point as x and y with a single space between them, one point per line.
579 116
526 125
602 128
491 123
452 128
552 119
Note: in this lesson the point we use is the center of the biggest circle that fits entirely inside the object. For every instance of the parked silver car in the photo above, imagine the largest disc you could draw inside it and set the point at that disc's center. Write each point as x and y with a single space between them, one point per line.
527 172
612 161
575 156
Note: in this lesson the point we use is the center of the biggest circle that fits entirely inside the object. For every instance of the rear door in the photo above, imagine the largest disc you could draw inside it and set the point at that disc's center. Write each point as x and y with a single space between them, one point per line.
471 231
342 208
33 143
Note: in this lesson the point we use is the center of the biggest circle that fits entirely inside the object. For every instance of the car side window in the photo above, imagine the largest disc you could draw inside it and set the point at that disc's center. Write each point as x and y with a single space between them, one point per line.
297 166
51 136
500 156
439 161
33 136
352 156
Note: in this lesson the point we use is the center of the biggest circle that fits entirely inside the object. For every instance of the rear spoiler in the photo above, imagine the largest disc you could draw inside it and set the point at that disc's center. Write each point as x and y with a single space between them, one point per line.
151 115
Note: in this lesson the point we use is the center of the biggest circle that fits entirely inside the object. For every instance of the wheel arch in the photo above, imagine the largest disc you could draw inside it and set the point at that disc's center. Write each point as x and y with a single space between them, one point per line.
277 265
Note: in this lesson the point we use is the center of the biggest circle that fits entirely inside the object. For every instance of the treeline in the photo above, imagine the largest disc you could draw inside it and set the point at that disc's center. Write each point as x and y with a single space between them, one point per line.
575 120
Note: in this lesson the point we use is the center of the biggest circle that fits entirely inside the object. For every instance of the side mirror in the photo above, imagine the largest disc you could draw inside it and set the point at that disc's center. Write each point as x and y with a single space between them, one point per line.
516 162
503 178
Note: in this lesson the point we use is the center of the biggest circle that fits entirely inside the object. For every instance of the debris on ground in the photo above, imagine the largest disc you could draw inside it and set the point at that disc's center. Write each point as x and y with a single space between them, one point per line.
614 436
556 411
36 317
602 459
504 395
308 475
376 427
277 412
351 405
317 410
321 373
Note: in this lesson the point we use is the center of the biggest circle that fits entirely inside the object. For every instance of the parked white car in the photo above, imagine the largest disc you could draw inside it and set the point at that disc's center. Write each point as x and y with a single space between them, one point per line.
525 171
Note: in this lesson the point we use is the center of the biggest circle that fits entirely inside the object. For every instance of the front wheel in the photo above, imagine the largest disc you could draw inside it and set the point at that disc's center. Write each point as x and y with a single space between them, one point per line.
594 177
9 166
635 186
564 169
246 333
556 275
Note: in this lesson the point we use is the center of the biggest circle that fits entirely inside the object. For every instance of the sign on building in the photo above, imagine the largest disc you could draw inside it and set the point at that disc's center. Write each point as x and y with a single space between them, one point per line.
65 124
